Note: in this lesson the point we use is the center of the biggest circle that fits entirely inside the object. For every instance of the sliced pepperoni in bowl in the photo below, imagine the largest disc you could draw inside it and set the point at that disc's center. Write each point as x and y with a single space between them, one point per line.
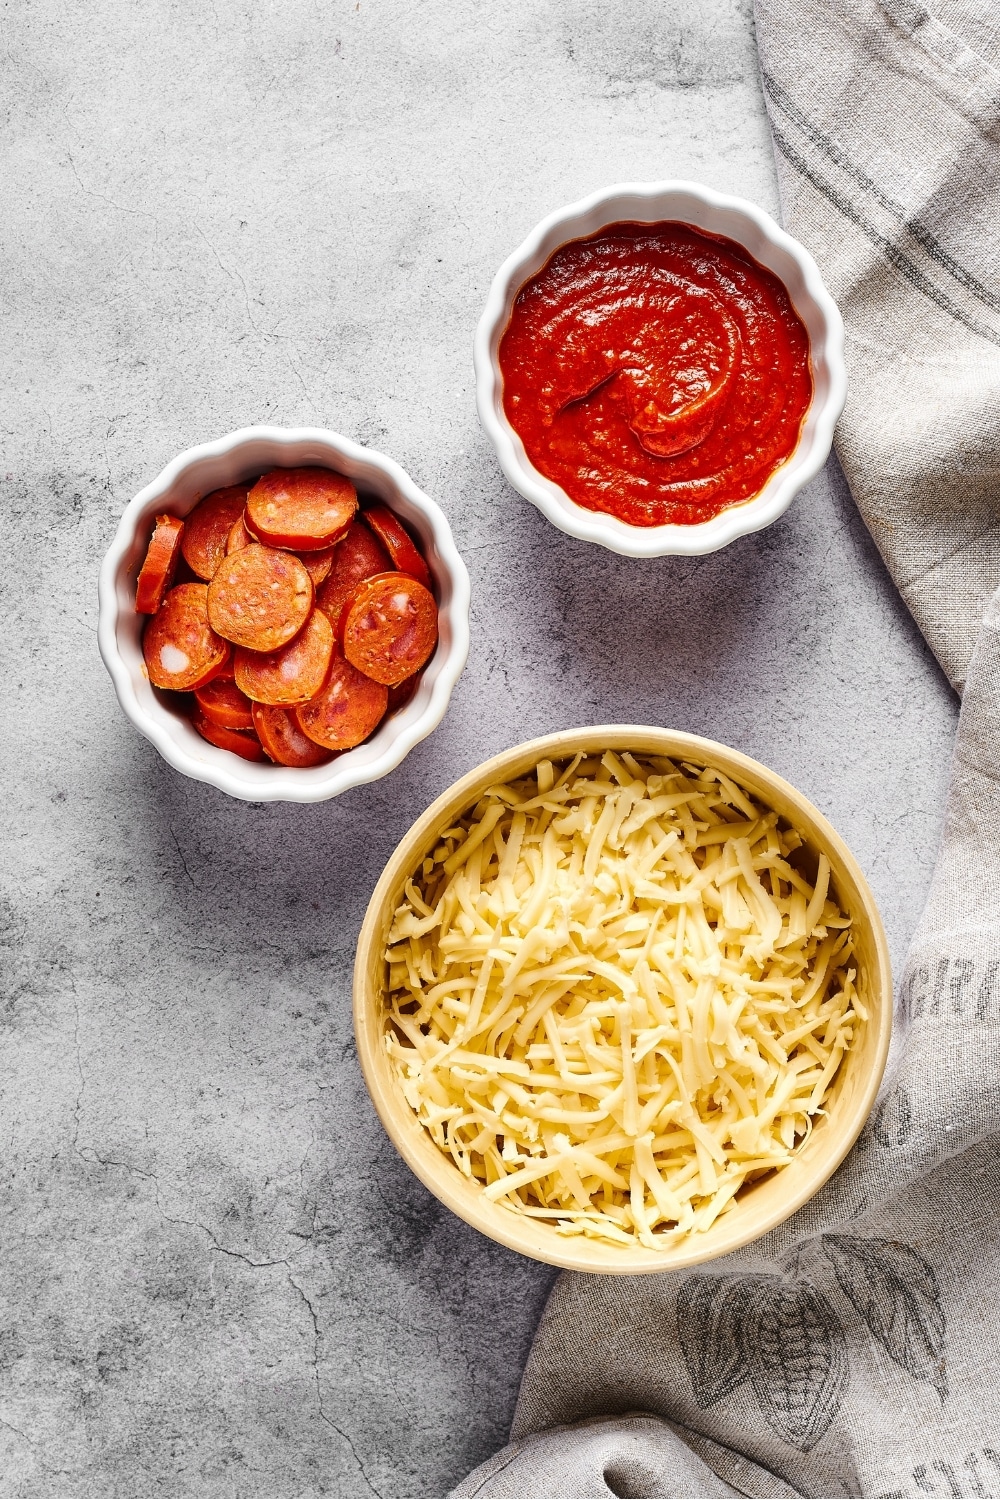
281 735
158 570
350 706
401 693
318 564
180 648
405 554
221 702
305 509
238 537
292 674
237 741
359 555
260 597
389 627
207 529
235 639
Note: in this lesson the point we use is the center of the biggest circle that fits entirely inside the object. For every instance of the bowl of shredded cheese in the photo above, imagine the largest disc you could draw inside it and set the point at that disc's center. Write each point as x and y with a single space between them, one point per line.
622 999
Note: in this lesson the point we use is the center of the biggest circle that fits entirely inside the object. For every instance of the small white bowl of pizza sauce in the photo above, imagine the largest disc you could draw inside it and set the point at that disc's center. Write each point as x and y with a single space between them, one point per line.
242 457
660 368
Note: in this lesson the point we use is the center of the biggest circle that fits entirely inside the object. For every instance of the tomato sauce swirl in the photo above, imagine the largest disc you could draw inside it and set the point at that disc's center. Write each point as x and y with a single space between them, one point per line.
656 372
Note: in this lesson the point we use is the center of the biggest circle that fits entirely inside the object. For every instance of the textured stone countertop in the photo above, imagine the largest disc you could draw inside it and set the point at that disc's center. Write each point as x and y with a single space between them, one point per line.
217 1276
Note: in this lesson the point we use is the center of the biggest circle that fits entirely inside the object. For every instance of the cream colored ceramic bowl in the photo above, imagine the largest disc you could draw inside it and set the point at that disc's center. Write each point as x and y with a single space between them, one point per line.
760 1207
241 455
717 213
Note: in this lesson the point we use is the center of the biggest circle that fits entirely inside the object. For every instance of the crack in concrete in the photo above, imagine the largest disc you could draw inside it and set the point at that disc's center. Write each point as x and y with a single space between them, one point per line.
78 1106
92 1157
232 275
22 1435
294 370
317 1336
180 856
135 213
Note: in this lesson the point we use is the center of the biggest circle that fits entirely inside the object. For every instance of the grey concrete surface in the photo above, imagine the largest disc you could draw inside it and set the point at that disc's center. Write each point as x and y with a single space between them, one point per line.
217 1278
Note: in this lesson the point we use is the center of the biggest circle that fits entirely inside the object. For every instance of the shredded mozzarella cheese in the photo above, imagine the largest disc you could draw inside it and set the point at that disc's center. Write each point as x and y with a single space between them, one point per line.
615 998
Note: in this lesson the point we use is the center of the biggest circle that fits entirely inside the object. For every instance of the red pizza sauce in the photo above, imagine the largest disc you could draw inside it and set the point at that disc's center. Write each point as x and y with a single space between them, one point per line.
656 372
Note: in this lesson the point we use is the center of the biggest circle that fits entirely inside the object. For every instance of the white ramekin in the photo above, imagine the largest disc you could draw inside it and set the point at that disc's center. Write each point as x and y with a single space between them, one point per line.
756 231
211 466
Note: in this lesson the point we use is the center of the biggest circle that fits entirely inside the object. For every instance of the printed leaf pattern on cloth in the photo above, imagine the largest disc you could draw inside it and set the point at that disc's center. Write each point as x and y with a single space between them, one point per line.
706 1322
796 1355
896 1292
785 1339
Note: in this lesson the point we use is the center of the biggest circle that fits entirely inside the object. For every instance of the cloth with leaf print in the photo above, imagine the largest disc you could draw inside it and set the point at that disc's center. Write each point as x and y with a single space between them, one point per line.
856 1349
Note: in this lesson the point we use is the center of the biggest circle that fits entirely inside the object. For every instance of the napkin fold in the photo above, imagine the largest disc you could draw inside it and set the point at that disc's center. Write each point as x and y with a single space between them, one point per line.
853 1350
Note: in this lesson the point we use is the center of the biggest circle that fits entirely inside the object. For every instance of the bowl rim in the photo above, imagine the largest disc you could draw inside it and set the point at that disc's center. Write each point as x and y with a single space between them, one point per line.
609 531
283 783
439 1173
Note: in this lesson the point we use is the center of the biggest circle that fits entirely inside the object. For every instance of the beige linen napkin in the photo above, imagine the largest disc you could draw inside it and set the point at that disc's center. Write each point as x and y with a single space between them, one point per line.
886 128
856 1349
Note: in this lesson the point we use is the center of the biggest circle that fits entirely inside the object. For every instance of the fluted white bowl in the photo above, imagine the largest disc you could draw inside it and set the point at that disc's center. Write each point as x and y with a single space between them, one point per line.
211 466
770 246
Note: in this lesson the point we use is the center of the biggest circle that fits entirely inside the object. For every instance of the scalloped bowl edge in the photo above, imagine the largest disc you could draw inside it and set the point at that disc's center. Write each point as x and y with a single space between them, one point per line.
771 246
228 460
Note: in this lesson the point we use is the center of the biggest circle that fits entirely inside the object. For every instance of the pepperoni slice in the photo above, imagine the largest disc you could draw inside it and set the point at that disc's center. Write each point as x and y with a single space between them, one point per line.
180 647
208 526
305 509
226 670
221 702
318 564
294 673
406 555
210 676
279 733
157 572
260 598
360 555
239 742
238 537
346 711
401 693
215 673
389 627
